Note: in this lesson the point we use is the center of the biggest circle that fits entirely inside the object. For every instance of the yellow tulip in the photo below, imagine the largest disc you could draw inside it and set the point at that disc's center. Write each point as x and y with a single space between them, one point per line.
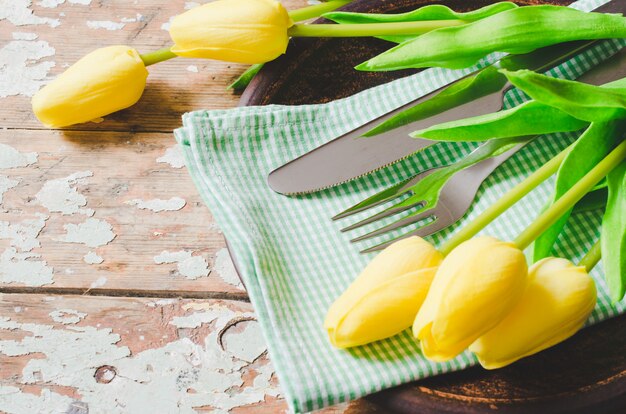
104 81
384 299
475 287
557 302
244 31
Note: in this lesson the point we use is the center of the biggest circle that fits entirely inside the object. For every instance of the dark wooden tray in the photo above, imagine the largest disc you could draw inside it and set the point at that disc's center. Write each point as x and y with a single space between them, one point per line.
586 374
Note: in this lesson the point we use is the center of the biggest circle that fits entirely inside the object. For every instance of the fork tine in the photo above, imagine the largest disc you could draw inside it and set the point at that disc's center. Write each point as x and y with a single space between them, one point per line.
379 216
430 228
403 222
389 242
387 194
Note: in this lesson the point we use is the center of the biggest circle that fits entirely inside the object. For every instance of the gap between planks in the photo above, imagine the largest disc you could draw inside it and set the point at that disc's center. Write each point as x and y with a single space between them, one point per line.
184 294
138 131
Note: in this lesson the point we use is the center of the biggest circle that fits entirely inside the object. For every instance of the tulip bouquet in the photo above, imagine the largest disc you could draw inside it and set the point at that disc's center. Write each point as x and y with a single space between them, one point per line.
257 31
478 293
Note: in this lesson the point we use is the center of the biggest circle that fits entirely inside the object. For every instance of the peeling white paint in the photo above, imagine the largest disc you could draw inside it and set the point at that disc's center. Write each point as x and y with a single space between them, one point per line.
158 205
51 4
5 185
60 195
246 345
192 68
92 258
99 282
177 377
19 13
21 72
191 267
24 36
191 4
173 156
137 18
225 268
13 400
92 232
105 24
166 26
21 268
162 302
12 158
67 316
23 234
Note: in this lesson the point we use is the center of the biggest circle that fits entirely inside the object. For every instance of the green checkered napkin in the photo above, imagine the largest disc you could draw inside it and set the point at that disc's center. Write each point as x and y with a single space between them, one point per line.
293 258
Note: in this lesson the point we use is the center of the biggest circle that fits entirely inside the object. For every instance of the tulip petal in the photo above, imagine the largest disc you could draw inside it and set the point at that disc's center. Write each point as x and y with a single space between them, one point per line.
102 82
476 285
243 31
404 256
384 311
557 302
390 288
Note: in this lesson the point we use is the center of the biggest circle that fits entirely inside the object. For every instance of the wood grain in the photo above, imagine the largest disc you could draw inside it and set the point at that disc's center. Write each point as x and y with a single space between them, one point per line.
37 327
130 343
171 91
124 168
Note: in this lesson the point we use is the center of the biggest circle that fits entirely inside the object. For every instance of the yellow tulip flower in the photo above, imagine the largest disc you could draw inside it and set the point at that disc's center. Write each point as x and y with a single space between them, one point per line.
475 287
244 31
384 299
104 81
557 302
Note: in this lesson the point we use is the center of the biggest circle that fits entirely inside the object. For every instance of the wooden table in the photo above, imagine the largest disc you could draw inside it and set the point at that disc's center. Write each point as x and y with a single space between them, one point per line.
117 293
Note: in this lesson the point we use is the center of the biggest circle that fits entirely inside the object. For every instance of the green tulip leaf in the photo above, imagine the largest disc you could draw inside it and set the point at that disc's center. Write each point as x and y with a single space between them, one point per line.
586 102
529 118
432 12
244 79
593 200
429 188
468 89
592 146
613 238
518 30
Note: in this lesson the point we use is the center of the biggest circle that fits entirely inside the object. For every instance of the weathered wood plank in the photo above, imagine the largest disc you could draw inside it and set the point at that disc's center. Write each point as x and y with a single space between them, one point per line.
119 174
174 87
135 355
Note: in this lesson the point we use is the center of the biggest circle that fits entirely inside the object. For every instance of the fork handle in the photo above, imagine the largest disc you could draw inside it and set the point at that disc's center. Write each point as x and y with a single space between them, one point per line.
611 69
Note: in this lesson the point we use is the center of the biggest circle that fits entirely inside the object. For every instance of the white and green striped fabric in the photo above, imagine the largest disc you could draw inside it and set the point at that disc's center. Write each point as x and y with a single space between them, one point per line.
295 261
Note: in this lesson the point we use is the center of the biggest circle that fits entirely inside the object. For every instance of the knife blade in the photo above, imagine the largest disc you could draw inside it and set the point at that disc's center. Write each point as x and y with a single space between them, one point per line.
351 156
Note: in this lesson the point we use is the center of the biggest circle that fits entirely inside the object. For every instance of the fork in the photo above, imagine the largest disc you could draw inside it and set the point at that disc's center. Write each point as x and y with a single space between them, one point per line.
441 195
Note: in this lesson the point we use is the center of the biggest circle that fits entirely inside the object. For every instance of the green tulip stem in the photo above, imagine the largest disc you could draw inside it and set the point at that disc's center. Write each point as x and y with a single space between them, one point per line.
316 10
571 197
157 56
304 13
370 29
592 257
503 203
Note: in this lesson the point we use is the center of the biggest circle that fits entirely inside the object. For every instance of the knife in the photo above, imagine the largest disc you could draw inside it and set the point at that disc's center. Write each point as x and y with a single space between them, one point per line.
351 156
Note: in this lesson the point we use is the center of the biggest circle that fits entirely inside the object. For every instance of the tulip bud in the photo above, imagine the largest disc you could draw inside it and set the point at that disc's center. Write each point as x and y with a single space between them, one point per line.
386 296
476 285
104 81
244 31
557 302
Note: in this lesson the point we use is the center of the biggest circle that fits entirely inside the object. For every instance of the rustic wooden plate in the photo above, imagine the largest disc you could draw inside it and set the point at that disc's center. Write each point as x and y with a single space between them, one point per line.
586 374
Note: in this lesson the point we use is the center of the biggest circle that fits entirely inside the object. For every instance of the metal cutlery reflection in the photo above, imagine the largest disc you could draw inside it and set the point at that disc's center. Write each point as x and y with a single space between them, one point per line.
439 197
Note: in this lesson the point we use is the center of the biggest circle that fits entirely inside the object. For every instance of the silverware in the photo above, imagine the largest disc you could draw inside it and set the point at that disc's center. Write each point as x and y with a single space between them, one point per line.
440 196
351 156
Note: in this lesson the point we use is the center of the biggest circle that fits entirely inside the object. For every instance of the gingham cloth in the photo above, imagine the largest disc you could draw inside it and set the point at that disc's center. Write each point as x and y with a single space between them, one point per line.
295 261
